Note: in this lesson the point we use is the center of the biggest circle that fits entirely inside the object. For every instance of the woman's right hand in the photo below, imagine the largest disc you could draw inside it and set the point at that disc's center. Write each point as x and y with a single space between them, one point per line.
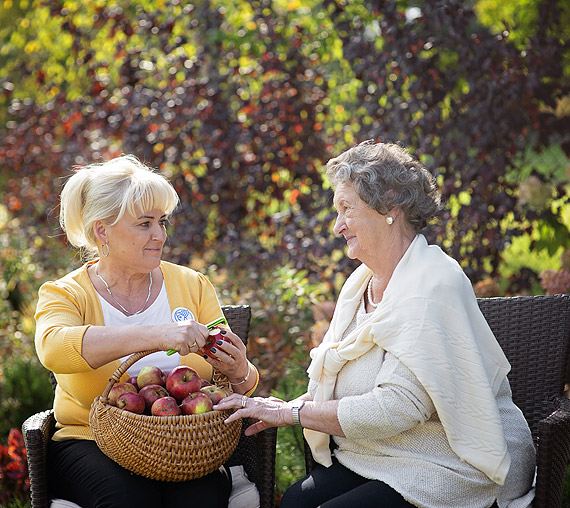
184 337
269 411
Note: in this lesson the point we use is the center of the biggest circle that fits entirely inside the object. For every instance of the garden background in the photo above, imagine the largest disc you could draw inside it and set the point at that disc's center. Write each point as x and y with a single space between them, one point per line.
241 103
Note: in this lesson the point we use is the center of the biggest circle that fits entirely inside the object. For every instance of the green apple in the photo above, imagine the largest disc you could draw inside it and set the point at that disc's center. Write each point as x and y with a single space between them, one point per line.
196 403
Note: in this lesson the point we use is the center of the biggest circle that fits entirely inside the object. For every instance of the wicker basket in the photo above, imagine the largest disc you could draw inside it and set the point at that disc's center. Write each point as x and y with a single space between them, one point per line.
166 448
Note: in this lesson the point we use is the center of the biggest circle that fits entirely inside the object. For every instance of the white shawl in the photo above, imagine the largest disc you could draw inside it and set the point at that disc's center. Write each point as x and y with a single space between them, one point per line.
429 319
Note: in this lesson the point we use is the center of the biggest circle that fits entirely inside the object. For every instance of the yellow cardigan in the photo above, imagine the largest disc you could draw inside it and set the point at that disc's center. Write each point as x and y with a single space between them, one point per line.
68 306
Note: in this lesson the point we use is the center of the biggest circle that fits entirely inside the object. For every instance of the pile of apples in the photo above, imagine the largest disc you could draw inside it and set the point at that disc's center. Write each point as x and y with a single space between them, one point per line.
156 393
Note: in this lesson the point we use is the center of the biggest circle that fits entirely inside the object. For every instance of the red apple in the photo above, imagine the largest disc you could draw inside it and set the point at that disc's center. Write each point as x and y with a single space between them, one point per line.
196 403
150 375
182 381
133 381
205 382
150 393
117 390
165 406
131 401
214 335
214 392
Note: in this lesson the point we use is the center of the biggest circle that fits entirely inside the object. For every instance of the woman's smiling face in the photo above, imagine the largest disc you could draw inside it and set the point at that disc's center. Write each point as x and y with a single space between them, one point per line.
138 241
361 226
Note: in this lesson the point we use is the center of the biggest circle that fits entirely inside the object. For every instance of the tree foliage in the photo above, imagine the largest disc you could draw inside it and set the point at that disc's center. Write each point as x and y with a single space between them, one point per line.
241 103
467 101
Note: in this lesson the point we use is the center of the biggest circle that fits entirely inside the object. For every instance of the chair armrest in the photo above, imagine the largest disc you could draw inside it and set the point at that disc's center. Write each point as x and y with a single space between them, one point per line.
553 455
561 402
310 462
257 455
268 448
37 431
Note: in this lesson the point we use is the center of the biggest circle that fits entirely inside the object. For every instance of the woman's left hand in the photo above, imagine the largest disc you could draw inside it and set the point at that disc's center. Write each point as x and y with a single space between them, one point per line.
230 357
269 411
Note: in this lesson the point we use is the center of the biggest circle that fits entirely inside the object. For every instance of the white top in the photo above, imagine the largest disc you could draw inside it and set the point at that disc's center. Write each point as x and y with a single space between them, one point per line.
156 314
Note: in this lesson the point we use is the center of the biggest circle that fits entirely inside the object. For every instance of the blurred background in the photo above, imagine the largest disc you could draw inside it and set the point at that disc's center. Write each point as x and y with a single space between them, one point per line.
240 104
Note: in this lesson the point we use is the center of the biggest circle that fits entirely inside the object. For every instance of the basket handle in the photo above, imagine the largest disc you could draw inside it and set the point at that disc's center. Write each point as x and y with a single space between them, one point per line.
135 357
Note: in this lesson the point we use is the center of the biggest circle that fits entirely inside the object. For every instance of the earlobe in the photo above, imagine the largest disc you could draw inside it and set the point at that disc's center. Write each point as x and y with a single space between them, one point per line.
393 214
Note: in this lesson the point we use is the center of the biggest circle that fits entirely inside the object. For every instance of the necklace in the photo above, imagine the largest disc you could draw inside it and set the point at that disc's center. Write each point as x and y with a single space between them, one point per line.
128 313
369 293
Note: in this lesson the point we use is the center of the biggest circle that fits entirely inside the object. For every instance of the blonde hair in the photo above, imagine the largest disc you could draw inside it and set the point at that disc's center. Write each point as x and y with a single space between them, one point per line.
106 191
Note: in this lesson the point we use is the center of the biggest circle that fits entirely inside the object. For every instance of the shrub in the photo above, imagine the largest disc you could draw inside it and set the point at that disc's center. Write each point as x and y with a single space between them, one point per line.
289 460
240 103
557 281
14 481
283 300
25 390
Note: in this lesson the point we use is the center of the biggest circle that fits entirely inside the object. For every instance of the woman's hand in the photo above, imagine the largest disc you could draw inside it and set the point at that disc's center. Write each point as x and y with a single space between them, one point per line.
274 412
230 358
269 411
184 337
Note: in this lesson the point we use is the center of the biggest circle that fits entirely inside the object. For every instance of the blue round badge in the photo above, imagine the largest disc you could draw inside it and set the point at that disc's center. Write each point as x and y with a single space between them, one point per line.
182 314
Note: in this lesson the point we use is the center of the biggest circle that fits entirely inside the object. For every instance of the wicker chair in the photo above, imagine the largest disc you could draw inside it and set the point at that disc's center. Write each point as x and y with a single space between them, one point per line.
255 453
534 332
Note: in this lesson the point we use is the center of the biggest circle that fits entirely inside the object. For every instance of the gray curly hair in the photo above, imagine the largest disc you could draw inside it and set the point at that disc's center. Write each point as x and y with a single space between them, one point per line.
384 176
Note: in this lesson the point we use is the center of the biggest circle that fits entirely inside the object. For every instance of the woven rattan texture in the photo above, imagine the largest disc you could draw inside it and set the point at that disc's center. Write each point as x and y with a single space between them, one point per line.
554 443
36 431
171 448
533 332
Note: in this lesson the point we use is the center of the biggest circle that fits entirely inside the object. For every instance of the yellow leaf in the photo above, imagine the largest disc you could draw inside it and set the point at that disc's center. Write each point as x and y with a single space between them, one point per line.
32 47
293 4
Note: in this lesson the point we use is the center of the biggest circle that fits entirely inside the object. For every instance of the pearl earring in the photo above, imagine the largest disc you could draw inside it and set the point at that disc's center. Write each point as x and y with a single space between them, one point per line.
389 220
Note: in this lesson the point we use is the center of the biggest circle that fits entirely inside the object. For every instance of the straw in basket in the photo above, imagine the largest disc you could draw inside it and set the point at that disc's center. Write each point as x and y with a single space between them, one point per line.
167 448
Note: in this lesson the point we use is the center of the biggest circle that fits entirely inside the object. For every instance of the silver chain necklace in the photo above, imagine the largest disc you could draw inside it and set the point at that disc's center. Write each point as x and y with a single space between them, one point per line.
117 302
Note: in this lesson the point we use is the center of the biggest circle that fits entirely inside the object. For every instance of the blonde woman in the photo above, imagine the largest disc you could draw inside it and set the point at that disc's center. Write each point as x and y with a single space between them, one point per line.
124 299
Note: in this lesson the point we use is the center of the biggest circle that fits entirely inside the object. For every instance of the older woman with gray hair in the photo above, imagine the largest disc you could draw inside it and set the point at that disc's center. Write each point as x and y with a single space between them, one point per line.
408 401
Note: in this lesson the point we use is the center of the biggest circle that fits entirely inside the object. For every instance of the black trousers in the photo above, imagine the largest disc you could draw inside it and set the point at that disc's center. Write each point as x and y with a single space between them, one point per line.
339 487
78 471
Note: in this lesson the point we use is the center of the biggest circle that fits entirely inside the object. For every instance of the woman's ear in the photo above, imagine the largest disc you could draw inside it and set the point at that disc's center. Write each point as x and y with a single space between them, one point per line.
100 231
